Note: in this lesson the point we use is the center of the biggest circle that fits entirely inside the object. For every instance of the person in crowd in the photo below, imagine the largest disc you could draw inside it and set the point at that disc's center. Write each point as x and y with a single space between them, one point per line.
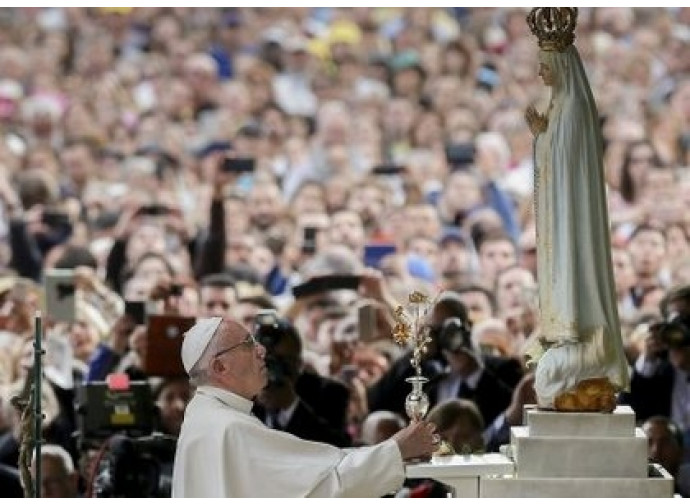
460 424
497 251
480 301
171 396
218 296
59 478
647 247
666 448
380 425
456 261
292 401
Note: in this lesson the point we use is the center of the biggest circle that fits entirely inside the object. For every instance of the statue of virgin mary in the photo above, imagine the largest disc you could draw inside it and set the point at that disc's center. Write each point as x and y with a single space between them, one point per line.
584 365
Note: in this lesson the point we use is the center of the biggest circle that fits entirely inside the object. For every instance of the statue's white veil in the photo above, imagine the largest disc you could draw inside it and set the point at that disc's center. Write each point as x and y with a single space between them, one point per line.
576 288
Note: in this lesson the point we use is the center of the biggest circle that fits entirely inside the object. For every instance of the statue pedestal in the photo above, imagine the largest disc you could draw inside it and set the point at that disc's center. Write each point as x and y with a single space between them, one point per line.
579 455
558 455
619 424
659 484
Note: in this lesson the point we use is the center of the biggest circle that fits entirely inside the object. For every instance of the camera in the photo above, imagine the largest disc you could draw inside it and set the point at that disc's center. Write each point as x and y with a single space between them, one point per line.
60 292
460 155
136 310
103 410
154 210
119 416
238 165
270 330
453 335
176 290
278 371
675 332
309 240
137 467
266 324
55 218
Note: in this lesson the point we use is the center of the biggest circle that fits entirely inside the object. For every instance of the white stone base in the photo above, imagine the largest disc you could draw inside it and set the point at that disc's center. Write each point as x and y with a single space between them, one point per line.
620 423
595 457
659 485
558 455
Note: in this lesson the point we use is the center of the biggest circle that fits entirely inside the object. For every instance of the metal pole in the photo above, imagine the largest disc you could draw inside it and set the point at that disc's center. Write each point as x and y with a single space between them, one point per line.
38 418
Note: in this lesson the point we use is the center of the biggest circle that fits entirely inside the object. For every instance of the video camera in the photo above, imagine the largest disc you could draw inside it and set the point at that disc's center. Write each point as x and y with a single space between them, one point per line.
108 408
270 330
137 467
121 415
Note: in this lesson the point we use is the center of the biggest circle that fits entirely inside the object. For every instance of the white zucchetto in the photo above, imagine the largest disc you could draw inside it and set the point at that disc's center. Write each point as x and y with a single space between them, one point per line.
197 339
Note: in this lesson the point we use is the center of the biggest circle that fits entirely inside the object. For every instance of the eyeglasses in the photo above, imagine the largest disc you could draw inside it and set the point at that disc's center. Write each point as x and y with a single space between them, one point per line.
249 341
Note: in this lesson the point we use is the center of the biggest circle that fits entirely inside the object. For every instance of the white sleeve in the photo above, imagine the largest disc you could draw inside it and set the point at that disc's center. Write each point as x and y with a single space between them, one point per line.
492 430
371 471
646 367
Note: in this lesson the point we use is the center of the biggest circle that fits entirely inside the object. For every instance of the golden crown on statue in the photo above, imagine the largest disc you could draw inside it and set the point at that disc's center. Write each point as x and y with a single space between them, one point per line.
553 26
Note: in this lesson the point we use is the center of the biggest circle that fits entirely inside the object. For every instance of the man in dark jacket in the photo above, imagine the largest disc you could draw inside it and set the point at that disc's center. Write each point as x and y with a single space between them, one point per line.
301 403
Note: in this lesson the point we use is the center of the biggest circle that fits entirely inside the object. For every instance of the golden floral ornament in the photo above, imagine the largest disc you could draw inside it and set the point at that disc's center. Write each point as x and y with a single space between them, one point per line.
417 297
401 333
409 328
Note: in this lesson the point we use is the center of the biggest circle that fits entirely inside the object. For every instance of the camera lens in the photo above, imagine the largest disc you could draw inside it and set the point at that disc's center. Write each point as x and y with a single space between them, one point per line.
675 332
453 336
277 371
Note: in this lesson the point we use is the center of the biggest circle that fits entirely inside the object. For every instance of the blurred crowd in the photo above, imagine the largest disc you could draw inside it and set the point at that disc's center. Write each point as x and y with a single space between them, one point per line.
206 161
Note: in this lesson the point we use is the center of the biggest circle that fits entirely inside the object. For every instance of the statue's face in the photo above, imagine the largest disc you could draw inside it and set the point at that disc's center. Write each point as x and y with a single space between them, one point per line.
546 73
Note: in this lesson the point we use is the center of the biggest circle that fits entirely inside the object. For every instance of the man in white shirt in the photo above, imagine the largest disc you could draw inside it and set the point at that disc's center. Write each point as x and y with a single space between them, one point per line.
224 451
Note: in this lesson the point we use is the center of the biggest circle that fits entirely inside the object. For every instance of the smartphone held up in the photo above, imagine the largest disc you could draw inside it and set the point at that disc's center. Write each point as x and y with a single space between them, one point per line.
60 292
238 165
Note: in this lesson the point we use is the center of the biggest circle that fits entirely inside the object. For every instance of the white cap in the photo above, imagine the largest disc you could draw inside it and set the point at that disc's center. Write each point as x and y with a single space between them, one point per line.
197 339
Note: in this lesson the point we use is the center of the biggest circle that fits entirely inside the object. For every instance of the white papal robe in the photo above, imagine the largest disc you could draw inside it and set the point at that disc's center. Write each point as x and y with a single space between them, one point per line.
225 451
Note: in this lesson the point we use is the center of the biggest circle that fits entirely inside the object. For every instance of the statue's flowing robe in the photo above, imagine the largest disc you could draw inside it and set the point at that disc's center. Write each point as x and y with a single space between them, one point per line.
575 275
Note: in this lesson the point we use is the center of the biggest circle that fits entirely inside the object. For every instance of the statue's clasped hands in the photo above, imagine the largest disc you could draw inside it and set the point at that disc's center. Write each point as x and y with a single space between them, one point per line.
537 122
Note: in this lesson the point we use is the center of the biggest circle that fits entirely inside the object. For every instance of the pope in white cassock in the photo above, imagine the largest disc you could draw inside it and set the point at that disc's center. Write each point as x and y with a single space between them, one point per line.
224 451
